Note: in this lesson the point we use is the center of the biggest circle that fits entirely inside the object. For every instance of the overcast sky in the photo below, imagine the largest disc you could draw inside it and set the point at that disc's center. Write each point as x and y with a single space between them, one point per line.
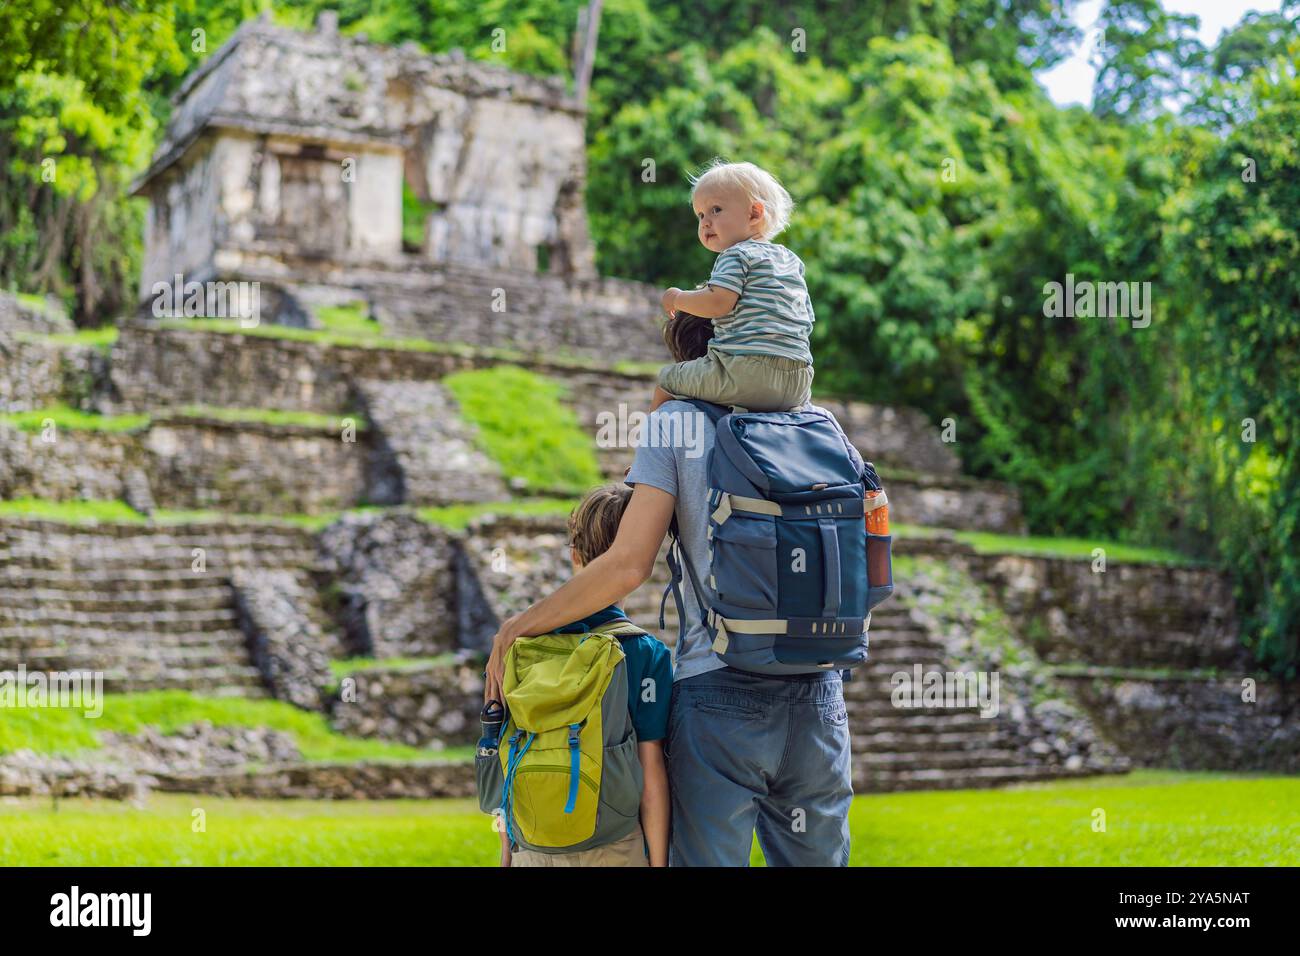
1070 81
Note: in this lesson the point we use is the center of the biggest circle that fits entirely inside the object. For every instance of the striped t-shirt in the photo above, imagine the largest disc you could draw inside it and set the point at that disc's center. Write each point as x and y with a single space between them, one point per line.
773 315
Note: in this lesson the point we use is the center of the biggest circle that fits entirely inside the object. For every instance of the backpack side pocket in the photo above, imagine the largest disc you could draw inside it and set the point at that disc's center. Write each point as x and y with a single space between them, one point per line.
880 568
489 777
743 562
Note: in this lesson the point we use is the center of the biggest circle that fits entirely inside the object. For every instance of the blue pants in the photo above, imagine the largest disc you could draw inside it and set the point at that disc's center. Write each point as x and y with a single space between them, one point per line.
750 752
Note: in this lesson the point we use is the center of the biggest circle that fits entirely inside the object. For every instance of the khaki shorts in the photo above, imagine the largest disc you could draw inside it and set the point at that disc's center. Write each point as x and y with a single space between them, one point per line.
760 383
629 851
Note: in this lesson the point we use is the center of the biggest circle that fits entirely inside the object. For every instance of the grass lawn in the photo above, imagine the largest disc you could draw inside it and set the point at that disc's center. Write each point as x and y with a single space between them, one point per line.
246 833
1153 818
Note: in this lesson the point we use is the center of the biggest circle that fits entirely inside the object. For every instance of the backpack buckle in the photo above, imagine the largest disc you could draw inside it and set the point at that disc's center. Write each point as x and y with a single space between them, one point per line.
720 641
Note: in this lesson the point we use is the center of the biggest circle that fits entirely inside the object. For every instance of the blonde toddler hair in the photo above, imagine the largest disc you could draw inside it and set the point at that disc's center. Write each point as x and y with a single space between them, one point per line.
757 184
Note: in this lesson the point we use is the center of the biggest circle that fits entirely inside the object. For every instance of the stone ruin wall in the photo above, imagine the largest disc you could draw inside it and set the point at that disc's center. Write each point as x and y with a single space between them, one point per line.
1176 619
1153 655
285 160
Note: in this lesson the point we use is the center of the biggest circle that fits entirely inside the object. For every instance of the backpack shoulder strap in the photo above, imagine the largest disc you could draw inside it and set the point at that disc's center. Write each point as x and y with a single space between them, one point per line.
690 568
870 477
715 412
620 629
677 557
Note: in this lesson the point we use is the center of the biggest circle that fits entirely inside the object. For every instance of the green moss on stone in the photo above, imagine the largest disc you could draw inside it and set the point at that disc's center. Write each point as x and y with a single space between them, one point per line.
272 416
523 425
73 419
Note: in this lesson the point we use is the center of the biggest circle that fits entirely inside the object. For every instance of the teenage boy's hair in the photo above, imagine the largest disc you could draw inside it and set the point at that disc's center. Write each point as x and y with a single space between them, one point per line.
593 525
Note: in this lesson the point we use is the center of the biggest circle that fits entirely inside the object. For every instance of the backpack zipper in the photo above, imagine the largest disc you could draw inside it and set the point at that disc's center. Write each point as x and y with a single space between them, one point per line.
549 650
558 768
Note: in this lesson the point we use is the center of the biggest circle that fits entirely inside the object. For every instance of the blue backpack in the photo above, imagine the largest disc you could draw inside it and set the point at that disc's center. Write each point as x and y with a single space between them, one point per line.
793 570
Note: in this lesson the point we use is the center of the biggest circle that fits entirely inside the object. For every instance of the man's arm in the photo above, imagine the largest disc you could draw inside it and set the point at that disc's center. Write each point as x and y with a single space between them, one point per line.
711 303
609 578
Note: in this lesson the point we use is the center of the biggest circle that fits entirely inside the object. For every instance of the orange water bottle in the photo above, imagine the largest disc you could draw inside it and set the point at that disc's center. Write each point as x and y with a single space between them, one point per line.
879 569
876 506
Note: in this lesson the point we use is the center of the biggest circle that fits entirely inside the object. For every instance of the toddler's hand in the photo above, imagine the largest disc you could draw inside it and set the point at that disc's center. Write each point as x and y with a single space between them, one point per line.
669 300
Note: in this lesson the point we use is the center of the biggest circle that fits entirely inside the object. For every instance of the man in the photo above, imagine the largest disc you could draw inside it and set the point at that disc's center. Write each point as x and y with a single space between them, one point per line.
744 751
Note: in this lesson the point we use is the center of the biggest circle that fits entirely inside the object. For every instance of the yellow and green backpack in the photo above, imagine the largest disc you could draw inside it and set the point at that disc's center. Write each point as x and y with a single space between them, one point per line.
565 775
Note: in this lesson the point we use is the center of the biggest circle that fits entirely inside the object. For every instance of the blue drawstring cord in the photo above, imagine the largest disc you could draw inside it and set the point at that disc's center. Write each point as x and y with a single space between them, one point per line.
512 764
574 755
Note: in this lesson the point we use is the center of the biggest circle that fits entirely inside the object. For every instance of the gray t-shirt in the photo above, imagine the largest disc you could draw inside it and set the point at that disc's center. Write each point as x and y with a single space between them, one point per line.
672 454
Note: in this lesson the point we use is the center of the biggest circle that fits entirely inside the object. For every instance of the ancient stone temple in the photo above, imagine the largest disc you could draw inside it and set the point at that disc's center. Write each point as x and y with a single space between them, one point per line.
287 160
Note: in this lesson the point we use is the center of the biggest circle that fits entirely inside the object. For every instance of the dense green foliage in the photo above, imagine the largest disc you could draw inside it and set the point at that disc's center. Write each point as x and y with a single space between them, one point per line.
1237 243
76 122
938 192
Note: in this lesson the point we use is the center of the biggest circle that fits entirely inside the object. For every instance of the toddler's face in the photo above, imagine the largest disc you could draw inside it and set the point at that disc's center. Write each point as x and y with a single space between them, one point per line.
725 217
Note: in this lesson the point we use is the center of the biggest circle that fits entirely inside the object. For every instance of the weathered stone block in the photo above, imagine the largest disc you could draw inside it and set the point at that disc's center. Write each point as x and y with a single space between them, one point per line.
430 451
394 575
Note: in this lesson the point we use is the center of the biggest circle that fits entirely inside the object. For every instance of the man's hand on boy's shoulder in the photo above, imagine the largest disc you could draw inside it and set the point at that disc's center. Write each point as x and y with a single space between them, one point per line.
494 674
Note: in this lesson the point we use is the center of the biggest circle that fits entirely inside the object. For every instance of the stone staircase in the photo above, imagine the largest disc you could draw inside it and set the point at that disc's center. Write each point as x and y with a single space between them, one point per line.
124 600
896 748
418 451
426 451
923 747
